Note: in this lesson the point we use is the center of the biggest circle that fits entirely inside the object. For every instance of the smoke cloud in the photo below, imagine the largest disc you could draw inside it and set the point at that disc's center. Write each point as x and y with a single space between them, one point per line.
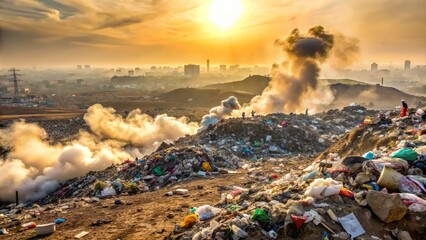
36 168
294 85
216 114
138 129
345 51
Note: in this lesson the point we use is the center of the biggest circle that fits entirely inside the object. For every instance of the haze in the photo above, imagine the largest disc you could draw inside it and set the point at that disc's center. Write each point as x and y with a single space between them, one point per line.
57 33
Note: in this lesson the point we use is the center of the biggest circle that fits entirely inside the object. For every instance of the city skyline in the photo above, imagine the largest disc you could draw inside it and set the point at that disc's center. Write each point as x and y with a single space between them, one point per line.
56 33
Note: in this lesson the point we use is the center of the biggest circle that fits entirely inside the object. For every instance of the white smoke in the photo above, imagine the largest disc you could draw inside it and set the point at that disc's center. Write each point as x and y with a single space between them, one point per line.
138 129
35 168
216 114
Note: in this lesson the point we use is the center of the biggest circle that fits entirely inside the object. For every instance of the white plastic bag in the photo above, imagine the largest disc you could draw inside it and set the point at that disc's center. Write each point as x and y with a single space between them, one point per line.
321 188
206 212
108 192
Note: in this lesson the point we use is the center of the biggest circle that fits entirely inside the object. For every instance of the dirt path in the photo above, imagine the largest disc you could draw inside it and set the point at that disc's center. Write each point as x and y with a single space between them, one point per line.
150 216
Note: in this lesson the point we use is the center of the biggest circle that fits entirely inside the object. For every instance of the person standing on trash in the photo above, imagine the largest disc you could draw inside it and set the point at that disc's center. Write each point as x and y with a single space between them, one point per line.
244 115
404 108
252 113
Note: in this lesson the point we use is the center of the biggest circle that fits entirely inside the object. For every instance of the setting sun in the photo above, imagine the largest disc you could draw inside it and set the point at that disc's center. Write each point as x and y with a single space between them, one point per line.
225 13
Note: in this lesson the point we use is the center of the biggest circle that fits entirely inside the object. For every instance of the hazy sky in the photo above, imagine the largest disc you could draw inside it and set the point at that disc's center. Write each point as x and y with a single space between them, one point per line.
131 32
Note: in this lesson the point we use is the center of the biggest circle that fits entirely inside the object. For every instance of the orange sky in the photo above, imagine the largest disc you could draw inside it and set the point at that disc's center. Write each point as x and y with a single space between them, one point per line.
131 33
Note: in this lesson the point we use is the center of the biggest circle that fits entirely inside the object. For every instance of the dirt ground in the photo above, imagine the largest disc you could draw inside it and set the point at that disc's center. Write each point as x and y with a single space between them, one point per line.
150 215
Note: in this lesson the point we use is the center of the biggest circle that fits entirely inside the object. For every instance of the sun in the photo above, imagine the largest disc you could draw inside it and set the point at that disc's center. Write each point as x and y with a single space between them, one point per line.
225 13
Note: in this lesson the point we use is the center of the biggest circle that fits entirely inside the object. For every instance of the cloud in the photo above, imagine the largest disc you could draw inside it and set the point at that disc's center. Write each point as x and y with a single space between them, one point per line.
182 27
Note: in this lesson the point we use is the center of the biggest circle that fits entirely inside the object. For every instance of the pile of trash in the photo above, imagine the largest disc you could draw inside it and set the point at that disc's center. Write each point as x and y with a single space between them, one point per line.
56 129
168 165
348 118
333 198
273 135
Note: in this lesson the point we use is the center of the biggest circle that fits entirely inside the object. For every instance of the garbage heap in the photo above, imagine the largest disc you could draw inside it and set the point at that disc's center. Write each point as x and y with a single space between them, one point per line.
223 146
346 118
273 135
379 195
164 167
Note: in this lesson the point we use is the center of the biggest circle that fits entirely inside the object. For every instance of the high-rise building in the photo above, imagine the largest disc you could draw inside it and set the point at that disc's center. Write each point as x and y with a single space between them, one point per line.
407 65
79 66
234 68
374 66
222 68
208 65
191 70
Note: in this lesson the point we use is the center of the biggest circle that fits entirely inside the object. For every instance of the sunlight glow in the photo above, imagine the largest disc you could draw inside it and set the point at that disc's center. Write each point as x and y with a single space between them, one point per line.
225 13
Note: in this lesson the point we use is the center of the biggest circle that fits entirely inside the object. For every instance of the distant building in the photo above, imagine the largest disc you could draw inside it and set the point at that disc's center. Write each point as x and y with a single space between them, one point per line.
374 66
153 68
234 68
222 68
192 70
137 70
131 72
79 67
208 65
86 66
407 65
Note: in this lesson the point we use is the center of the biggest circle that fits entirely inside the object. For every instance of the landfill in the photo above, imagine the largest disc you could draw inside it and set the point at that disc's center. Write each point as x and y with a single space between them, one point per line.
341 174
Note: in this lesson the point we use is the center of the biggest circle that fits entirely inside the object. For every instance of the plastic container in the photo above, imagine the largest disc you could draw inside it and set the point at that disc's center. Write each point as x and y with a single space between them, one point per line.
389 179
45 229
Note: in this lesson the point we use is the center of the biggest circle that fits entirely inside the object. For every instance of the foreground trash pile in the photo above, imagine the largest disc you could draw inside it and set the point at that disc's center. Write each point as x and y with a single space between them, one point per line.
164 167
368 184
333 198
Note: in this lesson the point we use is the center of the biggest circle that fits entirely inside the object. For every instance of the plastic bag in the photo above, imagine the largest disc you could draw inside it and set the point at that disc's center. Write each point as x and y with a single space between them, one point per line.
375 167
206 166
414 203
108 192
411 185
206 212
189 220
368 155
261 216
313 215
157 170
406 154
320 188
421 164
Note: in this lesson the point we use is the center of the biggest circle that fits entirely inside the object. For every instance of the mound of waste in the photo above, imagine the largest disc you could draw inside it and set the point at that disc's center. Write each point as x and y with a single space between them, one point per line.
379 195
346 118
223 146
166 166
272 135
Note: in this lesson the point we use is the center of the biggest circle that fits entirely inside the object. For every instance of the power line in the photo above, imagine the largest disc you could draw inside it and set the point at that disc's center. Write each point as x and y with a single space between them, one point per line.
15 81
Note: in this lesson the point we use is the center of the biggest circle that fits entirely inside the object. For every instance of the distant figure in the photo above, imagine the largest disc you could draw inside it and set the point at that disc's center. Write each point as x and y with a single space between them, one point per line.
306 111
244 115
252 113
404 108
